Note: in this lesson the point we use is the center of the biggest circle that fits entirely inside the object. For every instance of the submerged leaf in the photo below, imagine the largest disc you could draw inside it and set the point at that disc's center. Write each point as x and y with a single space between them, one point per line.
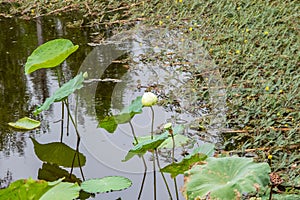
58 153
61 93
25 123
49 54
52 172
225 177
106 184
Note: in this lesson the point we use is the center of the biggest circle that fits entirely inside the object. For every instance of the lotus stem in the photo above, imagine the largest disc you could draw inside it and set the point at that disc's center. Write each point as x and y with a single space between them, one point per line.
62 121
133 132
143 159
153 155
144 178
173 161
163 176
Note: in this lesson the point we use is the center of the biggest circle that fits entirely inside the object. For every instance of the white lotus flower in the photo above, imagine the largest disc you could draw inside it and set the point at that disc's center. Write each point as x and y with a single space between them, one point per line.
149 99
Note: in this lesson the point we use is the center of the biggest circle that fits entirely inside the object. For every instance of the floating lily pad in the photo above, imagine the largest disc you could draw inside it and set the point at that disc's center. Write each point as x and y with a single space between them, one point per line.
106 184
25 123
58 153
49 54
62 191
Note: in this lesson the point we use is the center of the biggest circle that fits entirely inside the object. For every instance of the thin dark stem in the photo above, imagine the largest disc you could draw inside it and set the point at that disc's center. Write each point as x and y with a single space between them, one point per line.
133 133
176 188
144 178
78 140
68 118
173 161
72 120
153 155
77 152
163 176
154 175
72 167
271 192
143 159
59 72
62 121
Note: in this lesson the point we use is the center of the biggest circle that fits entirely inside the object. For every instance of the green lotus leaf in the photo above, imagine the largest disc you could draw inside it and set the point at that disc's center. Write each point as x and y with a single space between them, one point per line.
61 93
110 123
49 54
225 178
179 168
25 189
206 148
62 191
106 184
144 146
58 153
25 123
180 141
177 130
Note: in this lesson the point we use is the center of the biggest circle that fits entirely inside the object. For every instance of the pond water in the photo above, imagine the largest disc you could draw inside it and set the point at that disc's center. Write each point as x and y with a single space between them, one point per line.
119 69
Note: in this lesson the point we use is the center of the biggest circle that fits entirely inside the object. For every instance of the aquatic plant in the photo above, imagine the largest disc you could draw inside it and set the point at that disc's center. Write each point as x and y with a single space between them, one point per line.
49 55
233 176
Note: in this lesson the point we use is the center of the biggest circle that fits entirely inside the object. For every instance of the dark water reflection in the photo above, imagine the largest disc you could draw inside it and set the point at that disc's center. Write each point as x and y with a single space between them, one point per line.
19 95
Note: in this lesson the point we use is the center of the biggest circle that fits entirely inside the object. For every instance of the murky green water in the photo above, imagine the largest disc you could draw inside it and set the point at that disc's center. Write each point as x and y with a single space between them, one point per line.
119 84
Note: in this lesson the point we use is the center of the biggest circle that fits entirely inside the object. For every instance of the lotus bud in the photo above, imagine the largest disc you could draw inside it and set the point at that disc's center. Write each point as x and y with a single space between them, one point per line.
168 126
149 99
85 75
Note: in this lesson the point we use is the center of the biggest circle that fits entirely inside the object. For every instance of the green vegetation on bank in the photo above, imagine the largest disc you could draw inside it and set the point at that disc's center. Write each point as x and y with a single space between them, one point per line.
255 43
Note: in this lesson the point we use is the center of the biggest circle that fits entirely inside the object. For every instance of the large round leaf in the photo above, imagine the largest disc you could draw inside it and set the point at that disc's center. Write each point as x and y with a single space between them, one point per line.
62 191
226 178
50 54
106 184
